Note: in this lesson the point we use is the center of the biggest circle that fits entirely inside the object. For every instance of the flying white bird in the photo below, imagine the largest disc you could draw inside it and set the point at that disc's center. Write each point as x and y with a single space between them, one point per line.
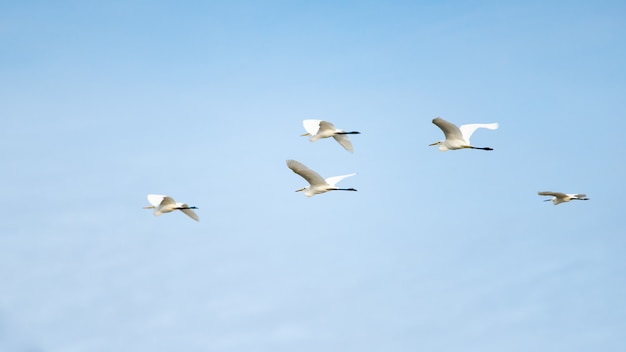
318 185
323 129
559 198
164 204
459 137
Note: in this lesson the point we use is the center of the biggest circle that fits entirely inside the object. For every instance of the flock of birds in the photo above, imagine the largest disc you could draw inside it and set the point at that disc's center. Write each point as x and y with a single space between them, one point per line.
455 138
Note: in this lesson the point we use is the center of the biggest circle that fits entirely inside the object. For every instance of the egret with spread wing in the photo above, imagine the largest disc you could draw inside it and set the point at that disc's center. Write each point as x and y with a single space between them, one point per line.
558 197
318 184
317 129
459 137
164 204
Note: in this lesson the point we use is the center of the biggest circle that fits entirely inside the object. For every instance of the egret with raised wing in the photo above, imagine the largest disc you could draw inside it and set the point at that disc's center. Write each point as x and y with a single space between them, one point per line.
318 184
164 204
318 129
558 197
459 137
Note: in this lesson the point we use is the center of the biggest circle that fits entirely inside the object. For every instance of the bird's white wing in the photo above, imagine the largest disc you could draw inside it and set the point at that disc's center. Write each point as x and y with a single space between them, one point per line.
468 130
326 126
311 126
344 141
332 181
449 129
189 212
309 175
554 194
155 199
167 201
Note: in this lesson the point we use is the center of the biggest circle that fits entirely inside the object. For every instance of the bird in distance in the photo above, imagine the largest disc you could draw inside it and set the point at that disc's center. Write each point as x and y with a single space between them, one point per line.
317 129
558 198
164 204
318 184
459 137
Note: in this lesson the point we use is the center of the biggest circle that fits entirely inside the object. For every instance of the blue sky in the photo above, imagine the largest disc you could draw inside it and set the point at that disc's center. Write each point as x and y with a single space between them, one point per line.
103 103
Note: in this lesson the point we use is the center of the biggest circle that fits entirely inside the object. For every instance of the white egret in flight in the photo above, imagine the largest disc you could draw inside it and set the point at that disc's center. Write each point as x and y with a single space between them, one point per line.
164 204
323 129
558 198
318 185
459 137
